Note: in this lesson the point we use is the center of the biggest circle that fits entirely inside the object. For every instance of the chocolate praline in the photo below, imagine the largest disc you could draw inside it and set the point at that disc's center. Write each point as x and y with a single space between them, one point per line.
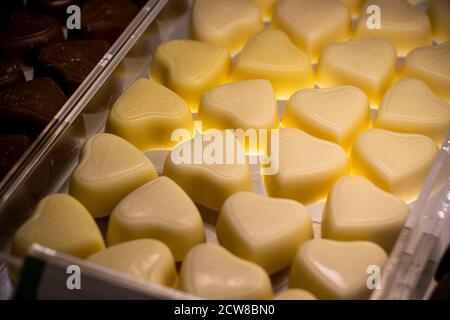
11 149
55 8
10 73
69 63
28 107
24 33
104 19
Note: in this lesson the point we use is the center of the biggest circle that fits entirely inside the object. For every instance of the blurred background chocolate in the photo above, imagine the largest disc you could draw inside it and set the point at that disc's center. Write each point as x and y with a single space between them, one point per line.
24 33
28 107
69 62
55 8
10 73
11 149
104 19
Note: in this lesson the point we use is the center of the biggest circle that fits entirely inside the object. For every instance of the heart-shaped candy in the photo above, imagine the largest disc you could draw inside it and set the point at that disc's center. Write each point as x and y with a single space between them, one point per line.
271 55
109 169
211 272
374 215
335 114
266 231
146 115
336 269
410 106
308 23
239 105
190 67
62 223
308 167
146 259
160 210
368 64
432 65
225 23
395 162
208 169
400 22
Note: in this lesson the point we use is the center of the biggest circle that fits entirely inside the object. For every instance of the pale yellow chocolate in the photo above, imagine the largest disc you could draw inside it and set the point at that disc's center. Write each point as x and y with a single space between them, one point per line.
410 106
208 180
60 222
396 162
295 294
147 113
225 23
271 55
402 24
266 231
109 169
210 271
369 64
432 65
190 67
160 210
249 104
308 23
336 269
266 7
308 167
337 114
146 259
439 14
373 215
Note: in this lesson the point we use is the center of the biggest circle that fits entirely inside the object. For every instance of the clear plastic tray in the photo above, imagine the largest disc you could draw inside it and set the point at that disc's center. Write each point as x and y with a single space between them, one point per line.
47 169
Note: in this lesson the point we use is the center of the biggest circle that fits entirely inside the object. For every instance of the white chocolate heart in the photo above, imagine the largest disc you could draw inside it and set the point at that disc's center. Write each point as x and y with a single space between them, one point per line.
266 231
308 167
271 55
243 104
396 162
336 269
374 215
432 65
205 176
410 106
159 210
147 113
211 272
401 23
308 23
146 259
109 169
62 223
190 67
368 64
336 114
225 23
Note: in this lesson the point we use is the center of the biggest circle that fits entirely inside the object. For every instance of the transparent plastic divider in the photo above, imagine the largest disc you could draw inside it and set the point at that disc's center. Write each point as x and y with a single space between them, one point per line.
50 268
409 271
